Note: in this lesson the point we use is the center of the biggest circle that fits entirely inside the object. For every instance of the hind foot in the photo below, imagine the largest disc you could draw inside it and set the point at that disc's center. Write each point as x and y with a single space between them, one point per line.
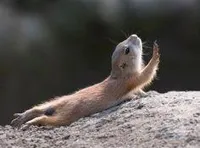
21 118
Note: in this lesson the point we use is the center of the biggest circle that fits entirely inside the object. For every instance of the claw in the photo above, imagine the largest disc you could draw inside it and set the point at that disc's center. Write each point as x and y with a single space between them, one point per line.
155 46
156 54
155 43
25 127
21 118
18 121
15 122
17 114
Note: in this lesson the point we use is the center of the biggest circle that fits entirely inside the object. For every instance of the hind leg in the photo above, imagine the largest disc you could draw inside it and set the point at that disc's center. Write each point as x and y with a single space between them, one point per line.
45 120
22 118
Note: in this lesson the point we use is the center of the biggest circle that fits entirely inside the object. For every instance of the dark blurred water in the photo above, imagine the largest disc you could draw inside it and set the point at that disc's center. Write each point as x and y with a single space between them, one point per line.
52 48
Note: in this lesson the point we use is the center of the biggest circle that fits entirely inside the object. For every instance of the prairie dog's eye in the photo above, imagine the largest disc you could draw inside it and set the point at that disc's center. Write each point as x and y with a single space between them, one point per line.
127 50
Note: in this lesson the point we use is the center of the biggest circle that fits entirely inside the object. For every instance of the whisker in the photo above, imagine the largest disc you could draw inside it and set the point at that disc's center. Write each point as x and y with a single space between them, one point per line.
138 33
112 41
129 34
146 53
147 47
124 33
144 42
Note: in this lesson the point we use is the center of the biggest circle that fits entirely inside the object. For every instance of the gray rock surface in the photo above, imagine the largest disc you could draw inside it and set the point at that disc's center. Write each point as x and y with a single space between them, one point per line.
159 120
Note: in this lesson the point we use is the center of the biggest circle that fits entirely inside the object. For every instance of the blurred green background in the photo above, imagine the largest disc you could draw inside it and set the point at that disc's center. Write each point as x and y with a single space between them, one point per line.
51 48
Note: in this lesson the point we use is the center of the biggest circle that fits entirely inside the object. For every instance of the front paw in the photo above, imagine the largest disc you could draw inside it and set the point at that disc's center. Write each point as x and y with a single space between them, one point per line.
156 54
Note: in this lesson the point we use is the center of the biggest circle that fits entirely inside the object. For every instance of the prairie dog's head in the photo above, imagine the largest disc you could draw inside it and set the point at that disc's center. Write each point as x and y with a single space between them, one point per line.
127 57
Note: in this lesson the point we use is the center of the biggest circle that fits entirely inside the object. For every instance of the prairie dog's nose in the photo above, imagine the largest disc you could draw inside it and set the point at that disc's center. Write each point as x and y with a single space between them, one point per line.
133 37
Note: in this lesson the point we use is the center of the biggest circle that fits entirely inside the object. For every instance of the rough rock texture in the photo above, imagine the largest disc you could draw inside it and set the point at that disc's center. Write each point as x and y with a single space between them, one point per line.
159 120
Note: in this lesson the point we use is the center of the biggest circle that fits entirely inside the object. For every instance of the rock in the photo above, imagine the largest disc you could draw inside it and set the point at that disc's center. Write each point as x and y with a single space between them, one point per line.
159 120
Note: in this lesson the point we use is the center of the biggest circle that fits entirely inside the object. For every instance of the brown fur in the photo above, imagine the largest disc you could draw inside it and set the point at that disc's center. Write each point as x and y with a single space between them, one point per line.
98 97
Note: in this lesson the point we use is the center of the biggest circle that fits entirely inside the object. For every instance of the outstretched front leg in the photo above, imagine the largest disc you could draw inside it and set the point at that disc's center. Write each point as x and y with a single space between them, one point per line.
148 73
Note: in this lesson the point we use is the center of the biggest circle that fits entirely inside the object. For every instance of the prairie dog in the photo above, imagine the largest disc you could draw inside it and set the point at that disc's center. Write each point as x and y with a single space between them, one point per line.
128 74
